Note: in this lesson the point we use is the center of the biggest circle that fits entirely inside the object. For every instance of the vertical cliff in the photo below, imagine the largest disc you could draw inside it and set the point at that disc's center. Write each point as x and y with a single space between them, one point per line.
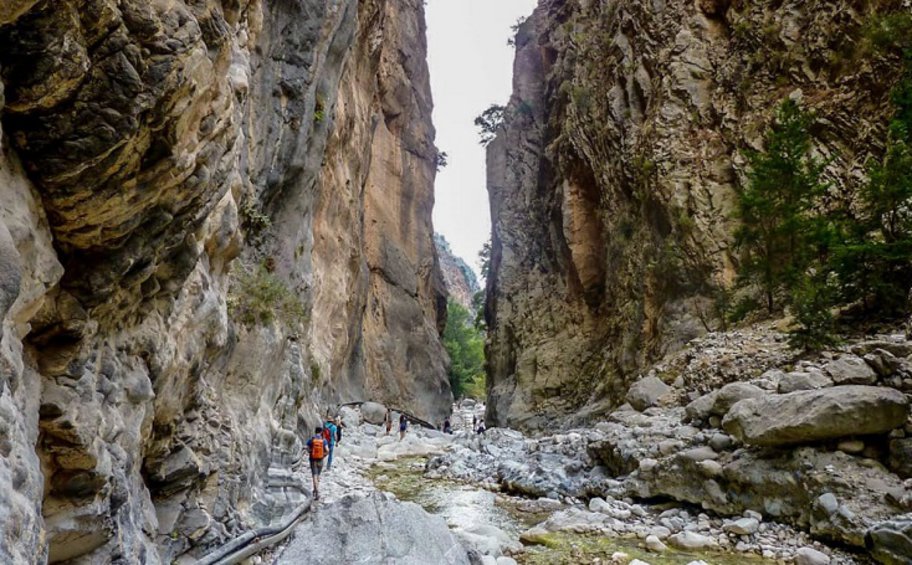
461 282
215 223
612 181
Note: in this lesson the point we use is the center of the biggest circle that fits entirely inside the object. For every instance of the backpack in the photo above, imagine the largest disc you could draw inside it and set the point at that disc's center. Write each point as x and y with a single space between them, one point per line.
317 448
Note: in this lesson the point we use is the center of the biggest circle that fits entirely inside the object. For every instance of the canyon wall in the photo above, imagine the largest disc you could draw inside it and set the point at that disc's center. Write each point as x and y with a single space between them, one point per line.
461 282
215 224
612 181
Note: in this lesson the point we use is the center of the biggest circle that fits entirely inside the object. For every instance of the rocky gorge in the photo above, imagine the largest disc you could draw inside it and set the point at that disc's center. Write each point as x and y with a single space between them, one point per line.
215 231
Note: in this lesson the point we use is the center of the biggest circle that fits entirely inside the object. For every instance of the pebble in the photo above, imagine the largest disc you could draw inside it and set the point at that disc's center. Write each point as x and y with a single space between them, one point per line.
742 527
828 502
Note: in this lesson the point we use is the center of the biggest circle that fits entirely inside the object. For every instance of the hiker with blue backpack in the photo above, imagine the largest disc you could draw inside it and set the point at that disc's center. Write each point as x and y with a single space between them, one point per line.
329 434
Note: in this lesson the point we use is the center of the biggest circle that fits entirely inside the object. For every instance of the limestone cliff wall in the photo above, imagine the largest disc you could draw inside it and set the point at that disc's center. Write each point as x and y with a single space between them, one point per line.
215 223
459 278
612 181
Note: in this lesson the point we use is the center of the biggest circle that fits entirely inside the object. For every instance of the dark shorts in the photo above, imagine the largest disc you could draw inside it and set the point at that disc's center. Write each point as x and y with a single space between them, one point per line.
316 466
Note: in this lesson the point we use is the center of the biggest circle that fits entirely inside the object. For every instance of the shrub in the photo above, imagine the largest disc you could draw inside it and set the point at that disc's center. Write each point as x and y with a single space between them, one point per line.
261 298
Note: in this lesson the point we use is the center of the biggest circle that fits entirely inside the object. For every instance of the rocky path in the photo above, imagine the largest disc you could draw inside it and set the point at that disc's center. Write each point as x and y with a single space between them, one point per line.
564 509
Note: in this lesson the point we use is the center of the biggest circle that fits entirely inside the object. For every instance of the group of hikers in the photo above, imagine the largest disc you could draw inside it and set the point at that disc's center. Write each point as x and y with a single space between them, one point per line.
320 447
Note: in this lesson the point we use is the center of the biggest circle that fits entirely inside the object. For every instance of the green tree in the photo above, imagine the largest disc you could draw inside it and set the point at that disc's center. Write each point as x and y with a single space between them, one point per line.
779 232
874 260
489 122
465 345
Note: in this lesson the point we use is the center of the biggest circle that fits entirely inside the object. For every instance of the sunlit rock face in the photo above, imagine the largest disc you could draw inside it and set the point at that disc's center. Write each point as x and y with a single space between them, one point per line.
613 182
152 153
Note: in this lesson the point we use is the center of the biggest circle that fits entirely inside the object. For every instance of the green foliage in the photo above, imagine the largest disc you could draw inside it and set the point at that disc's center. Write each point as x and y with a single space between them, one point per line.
254 221
261 298
489 122
465 345
319 110
874 256
776 208
484 259
893 31
811 300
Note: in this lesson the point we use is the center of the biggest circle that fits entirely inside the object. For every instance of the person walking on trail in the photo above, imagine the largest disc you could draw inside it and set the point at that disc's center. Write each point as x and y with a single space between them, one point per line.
329 434
339 426
447 427
403 426
317 451
388 420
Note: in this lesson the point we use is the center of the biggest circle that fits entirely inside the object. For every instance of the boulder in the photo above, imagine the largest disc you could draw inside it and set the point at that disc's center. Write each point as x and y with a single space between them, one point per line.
804 380
850 369
731 394
701 409
883 362
809 416
891 542
647 392
349 531
373 413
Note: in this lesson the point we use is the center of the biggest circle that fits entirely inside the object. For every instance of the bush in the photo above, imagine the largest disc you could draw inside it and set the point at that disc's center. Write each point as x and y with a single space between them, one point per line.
811 301
261 298
465 345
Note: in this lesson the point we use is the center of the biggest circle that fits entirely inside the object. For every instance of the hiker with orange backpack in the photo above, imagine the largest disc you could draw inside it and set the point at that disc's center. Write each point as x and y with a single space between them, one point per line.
329 434
317 450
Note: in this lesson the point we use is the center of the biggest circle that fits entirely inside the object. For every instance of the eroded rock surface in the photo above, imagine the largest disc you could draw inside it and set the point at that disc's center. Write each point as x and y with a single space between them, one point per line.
215 222
613 181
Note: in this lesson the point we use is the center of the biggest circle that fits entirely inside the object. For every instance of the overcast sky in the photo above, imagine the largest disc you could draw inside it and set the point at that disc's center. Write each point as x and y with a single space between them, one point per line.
471 68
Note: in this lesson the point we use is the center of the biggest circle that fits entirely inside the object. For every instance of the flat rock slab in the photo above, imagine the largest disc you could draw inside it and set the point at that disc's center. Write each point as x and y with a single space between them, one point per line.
373 529
816 415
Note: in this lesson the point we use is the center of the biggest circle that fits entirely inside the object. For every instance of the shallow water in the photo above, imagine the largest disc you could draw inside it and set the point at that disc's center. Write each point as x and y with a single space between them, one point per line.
463 505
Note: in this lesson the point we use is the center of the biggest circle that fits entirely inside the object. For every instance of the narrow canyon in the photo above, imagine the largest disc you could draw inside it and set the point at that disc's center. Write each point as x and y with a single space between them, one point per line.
216 233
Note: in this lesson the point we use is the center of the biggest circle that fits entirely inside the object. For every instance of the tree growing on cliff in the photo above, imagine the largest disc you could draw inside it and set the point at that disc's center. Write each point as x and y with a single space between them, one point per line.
780 233
465 346
489 122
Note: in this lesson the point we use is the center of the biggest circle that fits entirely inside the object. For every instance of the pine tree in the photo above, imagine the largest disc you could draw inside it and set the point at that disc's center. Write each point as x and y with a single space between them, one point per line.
779 230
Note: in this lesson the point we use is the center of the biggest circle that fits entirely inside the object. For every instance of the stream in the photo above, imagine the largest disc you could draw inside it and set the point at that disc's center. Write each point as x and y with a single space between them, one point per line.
467 507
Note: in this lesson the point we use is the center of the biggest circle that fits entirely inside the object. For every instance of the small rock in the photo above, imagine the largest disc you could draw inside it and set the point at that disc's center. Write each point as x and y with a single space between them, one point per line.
851 446
638 562
647 392
810 556
721 442
620 558
710 468
742 527
828 502
801 380
691 541
752 514
883 362
850 370
655 545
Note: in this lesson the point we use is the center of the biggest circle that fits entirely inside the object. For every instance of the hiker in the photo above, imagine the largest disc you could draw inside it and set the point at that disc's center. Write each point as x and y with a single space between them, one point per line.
447 427
403 426
481 428
339 426
388 420
329 434
317 450
474 422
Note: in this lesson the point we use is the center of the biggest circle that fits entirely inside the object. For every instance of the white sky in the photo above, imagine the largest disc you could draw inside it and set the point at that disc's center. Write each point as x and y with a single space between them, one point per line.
471 68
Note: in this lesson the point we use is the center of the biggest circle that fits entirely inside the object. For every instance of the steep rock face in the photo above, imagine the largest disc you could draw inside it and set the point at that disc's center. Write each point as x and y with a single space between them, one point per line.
612 182
461 283
214 224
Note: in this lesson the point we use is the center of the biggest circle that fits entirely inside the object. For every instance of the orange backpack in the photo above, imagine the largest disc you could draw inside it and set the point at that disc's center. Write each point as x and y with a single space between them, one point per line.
316 447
